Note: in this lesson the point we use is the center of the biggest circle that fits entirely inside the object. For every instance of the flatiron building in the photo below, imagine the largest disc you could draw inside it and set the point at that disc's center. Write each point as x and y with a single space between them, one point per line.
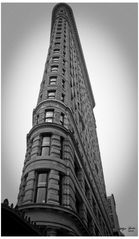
62 185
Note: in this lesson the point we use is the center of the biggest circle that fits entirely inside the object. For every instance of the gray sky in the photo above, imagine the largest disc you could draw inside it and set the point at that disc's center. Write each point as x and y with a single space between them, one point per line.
108 34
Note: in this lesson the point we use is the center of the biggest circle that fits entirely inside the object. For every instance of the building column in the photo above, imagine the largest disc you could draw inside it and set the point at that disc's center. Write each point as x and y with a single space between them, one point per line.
53 187
68 194
35 147
29 187
55 146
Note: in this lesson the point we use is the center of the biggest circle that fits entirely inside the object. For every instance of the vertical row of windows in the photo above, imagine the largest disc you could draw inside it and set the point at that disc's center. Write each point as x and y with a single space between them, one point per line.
55 59
74 64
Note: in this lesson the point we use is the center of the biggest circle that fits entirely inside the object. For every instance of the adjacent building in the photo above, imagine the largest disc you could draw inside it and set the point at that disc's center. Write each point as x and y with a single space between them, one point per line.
113 216
62 186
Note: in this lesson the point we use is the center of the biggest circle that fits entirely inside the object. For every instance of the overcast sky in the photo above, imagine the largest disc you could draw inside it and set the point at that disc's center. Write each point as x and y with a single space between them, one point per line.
108 34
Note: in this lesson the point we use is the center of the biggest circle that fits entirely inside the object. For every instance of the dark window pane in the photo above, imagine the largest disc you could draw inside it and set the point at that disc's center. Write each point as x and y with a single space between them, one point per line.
62 118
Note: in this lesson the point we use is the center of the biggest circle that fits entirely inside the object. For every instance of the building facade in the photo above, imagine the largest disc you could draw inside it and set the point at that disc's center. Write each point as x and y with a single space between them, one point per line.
62 185
113 216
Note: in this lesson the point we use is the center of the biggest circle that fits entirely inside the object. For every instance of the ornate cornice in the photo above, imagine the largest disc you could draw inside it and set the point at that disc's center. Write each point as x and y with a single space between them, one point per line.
58 210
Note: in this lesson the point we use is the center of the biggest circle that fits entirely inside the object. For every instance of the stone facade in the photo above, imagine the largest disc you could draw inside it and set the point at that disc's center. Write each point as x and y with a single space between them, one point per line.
62 186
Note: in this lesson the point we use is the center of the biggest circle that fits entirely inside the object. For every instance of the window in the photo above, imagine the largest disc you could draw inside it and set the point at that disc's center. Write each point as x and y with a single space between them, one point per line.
64 47
78 105
55 59
45 145
57 44
37 119
62 97
41 96
63 83
58 38
62 119
51 94
53 80
41 187
49 114
63 71
54 68
58 33
56 50
63 62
